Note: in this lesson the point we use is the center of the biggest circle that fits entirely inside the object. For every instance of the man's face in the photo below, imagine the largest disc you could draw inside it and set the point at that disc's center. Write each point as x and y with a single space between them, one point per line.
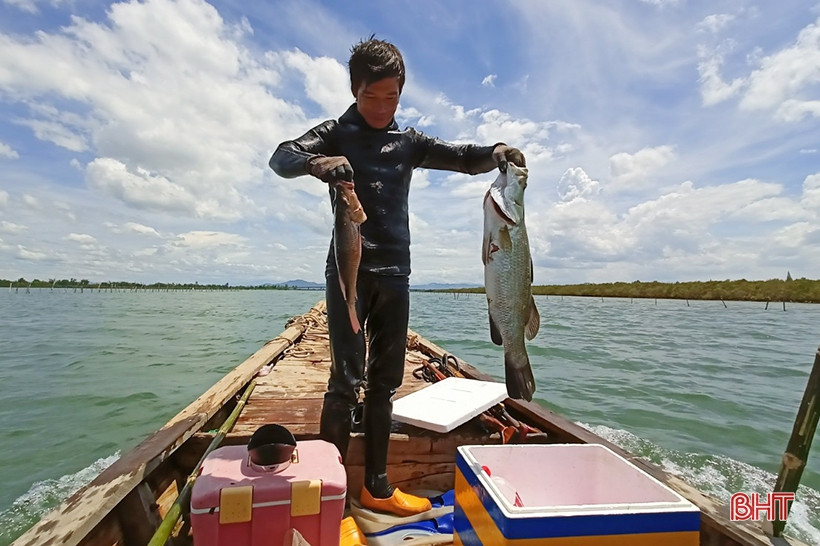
377 102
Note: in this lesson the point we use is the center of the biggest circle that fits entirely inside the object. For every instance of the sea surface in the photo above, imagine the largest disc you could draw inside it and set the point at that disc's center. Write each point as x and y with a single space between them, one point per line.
709 391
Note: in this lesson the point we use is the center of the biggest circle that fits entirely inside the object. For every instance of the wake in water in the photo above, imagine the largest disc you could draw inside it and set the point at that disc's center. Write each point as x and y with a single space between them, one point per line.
44 496
720 477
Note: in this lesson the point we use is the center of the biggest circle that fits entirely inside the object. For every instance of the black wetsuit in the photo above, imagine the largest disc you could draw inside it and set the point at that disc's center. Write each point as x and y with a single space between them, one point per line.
383 161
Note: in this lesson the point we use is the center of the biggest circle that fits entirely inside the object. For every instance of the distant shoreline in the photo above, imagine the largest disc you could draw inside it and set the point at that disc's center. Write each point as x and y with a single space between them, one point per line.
797 290
773 290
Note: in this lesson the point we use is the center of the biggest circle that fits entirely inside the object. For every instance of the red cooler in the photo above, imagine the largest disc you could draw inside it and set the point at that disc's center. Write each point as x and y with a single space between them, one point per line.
237 503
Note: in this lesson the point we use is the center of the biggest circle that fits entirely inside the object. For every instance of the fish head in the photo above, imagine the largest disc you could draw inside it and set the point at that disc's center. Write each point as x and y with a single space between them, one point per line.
347 199
508 193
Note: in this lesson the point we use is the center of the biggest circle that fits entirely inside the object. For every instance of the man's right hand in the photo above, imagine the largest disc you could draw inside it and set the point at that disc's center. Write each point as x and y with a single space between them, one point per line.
330 169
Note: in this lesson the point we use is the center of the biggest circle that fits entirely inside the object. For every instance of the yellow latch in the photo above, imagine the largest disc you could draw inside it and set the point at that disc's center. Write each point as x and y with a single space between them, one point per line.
305 498
235 504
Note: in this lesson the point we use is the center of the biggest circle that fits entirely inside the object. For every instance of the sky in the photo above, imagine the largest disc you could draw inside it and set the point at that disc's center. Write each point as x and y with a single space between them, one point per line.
668 140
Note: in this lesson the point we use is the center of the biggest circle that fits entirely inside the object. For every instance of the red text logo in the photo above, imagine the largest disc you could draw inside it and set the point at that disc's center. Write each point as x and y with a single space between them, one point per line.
750 506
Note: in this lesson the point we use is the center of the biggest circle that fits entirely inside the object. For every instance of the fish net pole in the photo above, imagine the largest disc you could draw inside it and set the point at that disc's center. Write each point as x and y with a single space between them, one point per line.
169 522
797 451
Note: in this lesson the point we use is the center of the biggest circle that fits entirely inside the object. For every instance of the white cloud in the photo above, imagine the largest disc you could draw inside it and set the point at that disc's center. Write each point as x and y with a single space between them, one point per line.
4 198
576 184
690 206
31 201
140 189
662 3
154 89
8 151
675 230
57 133
421 179
457 111
811 194
781 82
575 231
24 253
631 171
32 6
11 228
470 188
786 73
326 80
715 23
207 239
409 116
713 88
141 229
29 6
82 238
489 80
531 136
795 110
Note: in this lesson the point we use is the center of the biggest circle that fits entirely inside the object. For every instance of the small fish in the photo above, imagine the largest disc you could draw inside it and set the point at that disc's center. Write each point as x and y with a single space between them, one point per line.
508 277
347 244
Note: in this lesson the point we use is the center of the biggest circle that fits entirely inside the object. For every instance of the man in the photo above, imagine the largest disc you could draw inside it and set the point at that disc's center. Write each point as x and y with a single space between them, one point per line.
365 145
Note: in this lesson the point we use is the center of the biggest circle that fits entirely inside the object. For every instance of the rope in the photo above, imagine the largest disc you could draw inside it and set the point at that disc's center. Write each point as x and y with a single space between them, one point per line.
447 366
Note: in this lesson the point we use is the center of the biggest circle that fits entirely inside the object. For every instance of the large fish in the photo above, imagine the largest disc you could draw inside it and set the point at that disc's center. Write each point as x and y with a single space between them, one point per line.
347 244
508 277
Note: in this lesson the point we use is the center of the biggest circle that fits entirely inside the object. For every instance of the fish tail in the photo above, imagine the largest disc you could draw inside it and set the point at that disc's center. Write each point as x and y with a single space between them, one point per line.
518 373
354 318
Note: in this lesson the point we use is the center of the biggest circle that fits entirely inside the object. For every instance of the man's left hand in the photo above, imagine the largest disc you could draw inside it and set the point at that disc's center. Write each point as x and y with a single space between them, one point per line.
503 153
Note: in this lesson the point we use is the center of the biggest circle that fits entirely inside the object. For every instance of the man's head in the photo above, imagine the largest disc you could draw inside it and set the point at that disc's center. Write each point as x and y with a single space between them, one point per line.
372 60
376 80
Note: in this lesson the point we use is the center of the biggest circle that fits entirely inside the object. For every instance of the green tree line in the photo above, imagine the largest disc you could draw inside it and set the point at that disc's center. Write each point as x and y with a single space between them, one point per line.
85 284
790 290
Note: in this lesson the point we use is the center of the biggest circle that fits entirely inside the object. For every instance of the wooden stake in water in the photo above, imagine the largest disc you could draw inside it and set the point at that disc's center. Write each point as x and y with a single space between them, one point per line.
797 452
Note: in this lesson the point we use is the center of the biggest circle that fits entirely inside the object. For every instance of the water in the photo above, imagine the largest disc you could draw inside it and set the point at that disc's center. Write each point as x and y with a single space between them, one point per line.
708 392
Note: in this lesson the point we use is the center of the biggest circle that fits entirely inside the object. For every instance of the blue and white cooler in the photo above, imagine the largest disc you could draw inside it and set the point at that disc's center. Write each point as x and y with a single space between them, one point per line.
565 495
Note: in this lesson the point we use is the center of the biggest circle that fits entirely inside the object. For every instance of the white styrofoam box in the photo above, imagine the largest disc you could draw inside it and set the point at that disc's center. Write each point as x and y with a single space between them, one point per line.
443 406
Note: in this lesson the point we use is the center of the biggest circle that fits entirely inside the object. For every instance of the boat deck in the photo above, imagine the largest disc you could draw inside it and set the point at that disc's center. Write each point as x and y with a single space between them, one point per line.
291 395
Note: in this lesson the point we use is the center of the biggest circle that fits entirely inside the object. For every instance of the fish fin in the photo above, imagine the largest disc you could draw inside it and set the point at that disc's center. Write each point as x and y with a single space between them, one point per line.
354 319
342 286
534 322
495 333
518 375
485 249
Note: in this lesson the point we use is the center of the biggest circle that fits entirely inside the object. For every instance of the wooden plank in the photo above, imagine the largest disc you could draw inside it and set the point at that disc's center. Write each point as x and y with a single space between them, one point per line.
295 411
302 431
75 518
109 533
138 514
408 476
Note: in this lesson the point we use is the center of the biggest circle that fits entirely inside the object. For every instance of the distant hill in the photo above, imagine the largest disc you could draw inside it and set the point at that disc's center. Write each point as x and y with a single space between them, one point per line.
301 284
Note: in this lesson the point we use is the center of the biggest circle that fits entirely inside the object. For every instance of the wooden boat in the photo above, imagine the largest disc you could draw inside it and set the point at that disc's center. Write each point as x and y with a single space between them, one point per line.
124 505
